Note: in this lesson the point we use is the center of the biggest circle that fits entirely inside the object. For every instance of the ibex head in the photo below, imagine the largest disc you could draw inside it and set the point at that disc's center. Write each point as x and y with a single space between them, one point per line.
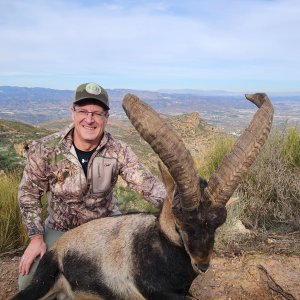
197 207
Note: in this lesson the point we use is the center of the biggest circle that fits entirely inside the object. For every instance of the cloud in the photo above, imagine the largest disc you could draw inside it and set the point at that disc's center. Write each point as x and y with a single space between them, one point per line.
154 40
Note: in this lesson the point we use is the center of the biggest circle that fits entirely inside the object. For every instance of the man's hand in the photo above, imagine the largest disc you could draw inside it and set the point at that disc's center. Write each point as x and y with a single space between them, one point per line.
36 247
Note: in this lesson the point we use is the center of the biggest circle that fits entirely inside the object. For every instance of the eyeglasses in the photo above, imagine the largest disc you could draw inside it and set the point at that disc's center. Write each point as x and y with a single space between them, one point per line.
83 113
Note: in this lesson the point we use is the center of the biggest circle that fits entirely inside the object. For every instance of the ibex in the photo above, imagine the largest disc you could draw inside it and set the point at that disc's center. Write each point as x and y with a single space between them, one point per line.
147 256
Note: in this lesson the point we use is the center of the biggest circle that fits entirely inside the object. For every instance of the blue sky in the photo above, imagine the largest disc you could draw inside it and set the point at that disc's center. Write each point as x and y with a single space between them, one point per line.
245 45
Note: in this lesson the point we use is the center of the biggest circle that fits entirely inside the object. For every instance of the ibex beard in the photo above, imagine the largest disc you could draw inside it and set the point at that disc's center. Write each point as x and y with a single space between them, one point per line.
147 256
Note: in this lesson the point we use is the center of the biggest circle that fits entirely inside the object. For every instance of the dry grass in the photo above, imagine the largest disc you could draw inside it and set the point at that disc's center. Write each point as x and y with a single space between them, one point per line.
271 189
12 233
213 156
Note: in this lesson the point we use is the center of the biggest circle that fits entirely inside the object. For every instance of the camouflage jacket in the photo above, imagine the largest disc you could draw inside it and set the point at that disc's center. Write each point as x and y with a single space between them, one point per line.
73 198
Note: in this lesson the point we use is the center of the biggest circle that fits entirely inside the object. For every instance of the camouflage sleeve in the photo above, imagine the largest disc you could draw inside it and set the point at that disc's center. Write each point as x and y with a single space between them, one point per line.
141 179
32 186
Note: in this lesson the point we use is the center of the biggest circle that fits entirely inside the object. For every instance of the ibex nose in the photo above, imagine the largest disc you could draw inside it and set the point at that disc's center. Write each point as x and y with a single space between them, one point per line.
202 267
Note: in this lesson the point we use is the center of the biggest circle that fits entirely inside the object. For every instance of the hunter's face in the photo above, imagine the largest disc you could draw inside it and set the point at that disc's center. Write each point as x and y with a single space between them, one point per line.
89 124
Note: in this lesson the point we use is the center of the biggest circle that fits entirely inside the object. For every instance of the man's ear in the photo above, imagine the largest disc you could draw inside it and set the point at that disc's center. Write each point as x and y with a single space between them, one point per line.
73 112
106 117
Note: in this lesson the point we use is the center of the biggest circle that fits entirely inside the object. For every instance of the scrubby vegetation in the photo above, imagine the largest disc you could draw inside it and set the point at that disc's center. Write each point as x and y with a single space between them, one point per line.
271 190
269 195
267 201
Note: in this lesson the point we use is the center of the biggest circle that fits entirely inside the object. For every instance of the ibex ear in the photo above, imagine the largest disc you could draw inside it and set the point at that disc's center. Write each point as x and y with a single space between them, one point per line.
166 217
168 181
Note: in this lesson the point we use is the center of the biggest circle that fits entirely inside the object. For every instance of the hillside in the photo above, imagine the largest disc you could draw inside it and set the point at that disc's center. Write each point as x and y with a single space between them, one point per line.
14 137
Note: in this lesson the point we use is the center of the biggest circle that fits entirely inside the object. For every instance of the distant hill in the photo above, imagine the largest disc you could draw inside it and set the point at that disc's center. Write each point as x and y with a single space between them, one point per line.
200 92
222 109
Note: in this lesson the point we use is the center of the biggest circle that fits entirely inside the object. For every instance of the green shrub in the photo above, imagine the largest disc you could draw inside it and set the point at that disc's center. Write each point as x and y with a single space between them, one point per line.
291 147
130 201
215 155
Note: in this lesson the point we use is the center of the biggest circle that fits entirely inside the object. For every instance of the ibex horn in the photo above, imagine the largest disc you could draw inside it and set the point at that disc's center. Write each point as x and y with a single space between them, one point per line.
169 147
223 183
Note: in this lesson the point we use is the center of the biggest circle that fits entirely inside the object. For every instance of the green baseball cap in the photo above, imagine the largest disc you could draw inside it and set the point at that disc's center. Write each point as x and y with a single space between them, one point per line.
91 91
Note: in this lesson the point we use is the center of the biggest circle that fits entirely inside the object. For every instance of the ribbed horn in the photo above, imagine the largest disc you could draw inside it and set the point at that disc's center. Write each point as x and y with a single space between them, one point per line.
223 183
169 147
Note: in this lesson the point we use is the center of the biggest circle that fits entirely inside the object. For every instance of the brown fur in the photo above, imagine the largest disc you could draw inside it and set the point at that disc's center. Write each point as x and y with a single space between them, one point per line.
166 218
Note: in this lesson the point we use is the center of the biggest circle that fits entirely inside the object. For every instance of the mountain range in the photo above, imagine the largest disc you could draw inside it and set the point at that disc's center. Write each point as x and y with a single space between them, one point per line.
227 110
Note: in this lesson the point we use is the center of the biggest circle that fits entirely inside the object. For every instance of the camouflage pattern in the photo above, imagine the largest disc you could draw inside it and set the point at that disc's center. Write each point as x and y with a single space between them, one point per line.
72 198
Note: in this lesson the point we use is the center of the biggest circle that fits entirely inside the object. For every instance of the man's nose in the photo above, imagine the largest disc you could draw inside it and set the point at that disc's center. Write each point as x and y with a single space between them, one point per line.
89 117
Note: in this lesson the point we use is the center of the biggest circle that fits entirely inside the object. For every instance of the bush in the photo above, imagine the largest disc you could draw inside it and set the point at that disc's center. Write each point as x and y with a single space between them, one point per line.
130 201
269 194
271 189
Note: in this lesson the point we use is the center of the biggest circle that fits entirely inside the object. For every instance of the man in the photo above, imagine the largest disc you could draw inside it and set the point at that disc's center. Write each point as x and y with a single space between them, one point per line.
78 169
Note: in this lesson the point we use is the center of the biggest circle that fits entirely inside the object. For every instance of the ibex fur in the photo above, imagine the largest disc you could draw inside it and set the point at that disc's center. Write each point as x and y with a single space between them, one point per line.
144 256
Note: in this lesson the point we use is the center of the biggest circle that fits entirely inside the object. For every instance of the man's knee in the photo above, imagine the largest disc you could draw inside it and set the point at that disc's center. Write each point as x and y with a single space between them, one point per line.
50 237
24 281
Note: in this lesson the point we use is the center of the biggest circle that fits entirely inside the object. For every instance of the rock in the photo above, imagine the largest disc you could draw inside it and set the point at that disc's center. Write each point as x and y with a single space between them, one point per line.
239 228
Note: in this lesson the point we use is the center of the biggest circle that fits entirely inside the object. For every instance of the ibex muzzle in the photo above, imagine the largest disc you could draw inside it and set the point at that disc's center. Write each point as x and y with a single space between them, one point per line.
143 256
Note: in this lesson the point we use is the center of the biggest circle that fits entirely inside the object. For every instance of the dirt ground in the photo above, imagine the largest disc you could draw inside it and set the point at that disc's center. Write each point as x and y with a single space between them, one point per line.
250 276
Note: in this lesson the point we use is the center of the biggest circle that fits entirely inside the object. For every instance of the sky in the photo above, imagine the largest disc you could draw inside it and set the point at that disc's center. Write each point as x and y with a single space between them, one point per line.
245 45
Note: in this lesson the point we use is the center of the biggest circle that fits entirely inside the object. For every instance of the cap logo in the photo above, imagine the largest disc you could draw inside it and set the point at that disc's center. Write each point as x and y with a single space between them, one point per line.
93 88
